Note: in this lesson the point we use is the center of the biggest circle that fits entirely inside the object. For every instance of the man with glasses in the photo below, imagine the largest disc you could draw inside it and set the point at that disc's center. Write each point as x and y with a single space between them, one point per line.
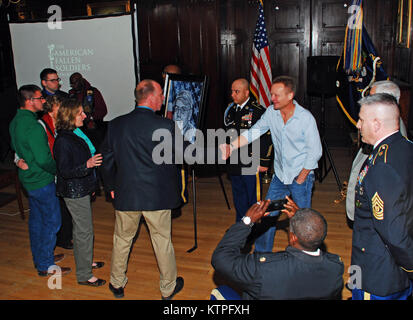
51 83
29 140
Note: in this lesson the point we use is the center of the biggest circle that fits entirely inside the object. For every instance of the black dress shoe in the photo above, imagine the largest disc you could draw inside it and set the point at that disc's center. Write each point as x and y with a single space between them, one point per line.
178 287
98 265
117 292
97 283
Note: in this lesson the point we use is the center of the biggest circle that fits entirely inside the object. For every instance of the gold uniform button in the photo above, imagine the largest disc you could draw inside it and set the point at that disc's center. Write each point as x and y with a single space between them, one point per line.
363 249
263 259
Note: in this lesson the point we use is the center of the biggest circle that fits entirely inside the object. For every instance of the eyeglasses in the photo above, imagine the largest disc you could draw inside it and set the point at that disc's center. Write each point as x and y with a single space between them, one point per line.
53 80
39 98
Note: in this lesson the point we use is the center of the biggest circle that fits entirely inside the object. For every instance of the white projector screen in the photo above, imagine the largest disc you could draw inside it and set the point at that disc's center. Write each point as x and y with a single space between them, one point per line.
101 49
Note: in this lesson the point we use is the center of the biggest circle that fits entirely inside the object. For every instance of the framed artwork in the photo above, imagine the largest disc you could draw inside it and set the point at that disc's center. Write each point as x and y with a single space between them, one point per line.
185 102
106 8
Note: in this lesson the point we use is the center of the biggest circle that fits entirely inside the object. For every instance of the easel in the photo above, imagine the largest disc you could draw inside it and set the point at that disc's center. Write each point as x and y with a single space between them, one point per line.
194 202
323 170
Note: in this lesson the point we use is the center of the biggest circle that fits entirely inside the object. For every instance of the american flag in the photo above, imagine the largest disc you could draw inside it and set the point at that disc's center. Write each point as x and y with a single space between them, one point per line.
261 76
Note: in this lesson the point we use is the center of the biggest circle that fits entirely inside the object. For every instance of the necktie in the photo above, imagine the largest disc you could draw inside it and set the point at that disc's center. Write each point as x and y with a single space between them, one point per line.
238 115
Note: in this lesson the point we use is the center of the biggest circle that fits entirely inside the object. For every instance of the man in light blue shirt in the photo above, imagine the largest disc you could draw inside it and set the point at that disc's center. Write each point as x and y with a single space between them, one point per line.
297 149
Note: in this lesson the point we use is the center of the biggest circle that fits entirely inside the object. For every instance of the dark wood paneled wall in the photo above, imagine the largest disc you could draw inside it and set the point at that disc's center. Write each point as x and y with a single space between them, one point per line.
184 33
296 29
214 37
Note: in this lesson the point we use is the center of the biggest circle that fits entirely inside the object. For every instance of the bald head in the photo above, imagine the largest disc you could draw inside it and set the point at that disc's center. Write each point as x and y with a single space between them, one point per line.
310 228
386 86
240 91
171 68
241 82
149 93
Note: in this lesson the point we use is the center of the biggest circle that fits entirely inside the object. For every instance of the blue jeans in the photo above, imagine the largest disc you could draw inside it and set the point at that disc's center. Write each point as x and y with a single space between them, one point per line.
300 193
44 223
244 193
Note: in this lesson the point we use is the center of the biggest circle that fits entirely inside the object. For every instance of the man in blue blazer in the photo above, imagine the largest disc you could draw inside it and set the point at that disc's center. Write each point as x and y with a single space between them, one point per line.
140 184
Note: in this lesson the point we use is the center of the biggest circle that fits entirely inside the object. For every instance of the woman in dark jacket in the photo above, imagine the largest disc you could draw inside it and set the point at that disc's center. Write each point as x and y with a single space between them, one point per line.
76 181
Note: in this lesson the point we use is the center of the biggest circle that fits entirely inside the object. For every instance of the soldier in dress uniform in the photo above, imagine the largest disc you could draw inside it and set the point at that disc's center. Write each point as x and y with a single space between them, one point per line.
384 86
301 271
242 114
382 249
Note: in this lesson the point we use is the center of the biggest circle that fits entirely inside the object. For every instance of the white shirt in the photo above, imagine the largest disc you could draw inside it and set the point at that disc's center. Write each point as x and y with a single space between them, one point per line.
378 142
313 253
297 143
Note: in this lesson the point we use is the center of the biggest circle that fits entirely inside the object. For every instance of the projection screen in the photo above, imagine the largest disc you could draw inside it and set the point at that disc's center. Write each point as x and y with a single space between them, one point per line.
101 49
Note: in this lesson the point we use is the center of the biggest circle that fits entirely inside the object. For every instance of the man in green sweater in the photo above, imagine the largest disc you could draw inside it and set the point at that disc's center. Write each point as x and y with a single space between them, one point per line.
29 140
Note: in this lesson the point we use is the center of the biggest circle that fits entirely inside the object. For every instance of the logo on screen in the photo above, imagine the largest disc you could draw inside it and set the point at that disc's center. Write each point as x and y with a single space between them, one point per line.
68 60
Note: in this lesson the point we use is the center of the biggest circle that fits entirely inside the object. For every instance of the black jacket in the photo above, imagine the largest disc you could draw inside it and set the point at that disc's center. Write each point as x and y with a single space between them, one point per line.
290 274
128 166
236 122
74 179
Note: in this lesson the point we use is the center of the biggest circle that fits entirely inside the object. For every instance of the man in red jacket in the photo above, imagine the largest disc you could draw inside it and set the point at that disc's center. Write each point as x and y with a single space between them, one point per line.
94 105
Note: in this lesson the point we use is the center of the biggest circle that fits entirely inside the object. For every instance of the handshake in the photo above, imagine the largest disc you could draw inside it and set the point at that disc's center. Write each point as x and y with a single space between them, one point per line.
226 150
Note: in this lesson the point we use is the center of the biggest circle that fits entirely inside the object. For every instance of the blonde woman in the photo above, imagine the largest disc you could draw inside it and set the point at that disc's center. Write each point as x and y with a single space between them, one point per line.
76 181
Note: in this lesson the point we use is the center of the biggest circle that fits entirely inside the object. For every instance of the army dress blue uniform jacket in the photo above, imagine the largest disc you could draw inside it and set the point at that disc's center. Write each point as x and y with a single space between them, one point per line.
383 223
290 274
244 120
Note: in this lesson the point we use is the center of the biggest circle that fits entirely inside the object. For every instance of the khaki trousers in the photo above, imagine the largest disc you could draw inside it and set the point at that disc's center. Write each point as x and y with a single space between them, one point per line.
159 224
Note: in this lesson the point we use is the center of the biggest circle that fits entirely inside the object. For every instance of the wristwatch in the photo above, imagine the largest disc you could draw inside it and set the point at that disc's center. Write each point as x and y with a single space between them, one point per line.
247 221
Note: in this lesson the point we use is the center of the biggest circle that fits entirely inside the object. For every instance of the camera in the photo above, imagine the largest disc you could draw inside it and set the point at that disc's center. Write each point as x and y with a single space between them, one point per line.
276 205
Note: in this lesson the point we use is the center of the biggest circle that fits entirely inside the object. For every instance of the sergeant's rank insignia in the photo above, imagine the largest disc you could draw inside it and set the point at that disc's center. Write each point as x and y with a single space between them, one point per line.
378 206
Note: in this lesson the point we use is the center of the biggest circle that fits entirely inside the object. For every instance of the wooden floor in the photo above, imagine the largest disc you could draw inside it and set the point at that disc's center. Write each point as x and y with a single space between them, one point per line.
19 279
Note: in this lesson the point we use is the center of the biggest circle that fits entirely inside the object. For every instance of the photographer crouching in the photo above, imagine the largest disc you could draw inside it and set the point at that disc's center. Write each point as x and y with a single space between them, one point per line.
302 271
